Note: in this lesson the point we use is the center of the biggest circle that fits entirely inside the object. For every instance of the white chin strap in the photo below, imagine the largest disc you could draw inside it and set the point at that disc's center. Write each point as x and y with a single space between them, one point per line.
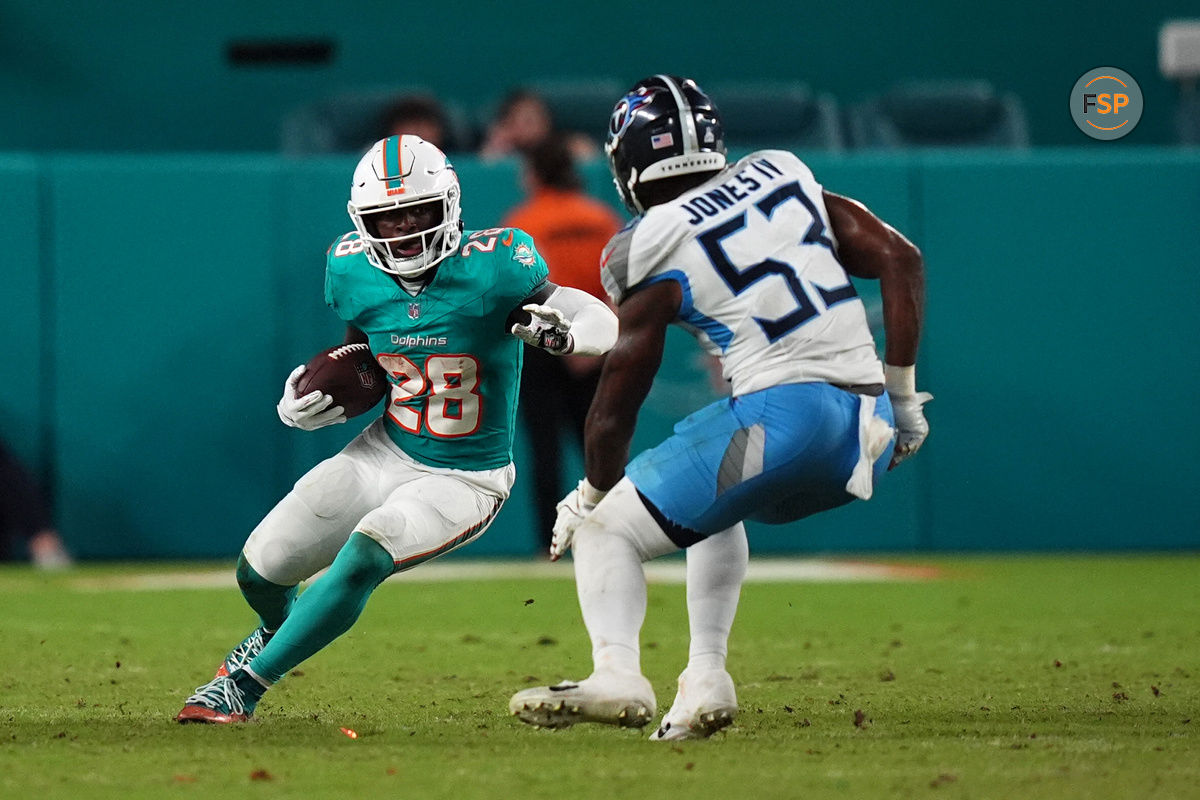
633 198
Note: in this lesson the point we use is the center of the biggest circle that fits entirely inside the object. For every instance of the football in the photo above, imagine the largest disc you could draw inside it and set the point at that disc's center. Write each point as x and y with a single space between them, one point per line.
349 373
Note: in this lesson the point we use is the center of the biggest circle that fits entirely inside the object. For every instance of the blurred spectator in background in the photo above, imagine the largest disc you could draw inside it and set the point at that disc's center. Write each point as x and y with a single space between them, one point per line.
418 114
522 122
571 230
26 529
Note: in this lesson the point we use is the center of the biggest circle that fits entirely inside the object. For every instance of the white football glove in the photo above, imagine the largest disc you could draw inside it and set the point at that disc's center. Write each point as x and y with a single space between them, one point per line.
572 511
309 412
907 405
547 329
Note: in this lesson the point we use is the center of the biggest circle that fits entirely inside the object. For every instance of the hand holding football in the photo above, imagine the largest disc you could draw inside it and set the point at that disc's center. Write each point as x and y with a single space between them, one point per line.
347 372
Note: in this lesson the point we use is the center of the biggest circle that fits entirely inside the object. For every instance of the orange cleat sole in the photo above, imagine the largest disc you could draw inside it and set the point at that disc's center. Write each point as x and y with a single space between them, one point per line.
208 716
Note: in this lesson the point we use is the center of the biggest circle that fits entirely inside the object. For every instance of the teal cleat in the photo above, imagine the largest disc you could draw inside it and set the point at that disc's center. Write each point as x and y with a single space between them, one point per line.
245 652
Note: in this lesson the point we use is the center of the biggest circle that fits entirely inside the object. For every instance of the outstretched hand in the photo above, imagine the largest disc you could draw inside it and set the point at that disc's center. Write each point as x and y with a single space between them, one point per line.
547 329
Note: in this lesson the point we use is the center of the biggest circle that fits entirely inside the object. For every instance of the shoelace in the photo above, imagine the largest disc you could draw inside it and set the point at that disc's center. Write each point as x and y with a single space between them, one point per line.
244 652
220 693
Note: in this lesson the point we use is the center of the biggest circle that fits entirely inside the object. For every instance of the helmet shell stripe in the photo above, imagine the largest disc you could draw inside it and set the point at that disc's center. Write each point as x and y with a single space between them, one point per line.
393 175
691 142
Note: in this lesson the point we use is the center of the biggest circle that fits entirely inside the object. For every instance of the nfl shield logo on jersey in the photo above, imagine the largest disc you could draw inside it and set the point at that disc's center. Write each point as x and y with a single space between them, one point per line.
414 310
366 376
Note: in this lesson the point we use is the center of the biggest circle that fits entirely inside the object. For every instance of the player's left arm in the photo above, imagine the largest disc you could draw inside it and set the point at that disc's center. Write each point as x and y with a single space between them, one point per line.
870 248
564 321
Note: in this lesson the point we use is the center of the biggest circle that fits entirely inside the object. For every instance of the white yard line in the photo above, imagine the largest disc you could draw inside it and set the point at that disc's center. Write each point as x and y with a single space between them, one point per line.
762 570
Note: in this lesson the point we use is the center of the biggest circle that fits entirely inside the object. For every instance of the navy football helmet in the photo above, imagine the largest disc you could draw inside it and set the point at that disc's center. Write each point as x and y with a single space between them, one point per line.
663 127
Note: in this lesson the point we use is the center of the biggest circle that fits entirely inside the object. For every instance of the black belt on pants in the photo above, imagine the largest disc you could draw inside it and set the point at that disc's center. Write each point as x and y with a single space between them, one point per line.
871 389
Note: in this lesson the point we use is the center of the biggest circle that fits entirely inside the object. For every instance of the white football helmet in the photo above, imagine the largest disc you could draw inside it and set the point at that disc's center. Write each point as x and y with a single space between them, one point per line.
402 171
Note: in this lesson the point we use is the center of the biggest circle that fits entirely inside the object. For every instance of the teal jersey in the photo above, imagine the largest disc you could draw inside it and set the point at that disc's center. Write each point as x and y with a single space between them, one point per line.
454 367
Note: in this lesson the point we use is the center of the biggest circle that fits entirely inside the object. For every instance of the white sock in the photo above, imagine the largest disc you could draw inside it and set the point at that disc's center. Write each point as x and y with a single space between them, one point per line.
609 550
715 570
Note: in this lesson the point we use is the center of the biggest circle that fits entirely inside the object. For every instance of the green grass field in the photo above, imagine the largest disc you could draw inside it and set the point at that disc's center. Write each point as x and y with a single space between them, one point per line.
1000 677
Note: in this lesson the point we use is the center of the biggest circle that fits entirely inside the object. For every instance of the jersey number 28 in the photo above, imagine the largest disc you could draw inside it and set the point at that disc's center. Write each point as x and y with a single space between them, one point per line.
450 386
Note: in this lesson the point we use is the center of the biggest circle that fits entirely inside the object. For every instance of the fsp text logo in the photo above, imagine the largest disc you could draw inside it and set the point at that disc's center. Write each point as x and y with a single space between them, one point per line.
1106 103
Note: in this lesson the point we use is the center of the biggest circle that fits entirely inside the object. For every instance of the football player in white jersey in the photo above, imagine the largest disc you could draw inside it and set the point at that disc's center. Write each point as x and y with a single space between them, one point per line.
753 257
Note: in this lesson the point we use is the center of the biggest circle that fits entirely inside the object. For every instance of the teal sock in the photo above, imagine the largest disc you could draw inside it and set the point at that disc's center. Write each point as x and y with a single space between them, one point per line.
327 609
252 690
270 601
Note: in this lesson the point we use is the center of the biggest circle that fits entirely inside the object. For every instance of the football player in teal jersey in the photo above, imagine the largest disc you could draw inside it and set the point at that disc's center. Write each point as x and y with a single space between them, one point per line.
446 313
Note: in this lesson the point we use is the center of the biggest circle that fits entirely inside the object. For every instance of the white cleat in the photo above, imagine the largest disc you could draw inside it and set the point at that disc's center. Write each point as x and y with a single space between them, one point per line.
706 703
610 698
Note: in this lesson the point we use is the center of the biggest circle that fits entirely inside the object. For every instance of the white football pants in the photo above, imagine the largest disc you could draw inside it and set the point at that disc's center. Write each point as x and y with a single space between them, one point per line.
416 512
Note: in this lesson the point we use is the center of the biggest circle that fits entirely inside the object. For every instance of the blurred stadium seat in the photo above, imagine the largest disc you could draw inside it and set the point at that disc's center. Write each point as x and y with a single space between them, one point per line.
764 114
581 105
349 122
1187 120
1179 61
969 113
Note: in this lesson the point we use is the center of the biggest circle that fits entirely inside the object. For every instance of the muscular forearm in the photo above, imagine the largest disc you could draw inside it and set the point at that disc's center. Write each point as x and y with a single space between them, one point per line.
628 375
606 448
903 290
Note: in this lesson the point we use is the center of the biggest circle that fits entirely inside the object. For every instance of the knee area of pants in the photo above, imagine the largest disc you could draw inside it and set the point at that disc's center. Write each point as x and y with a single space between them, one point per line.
248 578
329 488
595 536
393 524
622 515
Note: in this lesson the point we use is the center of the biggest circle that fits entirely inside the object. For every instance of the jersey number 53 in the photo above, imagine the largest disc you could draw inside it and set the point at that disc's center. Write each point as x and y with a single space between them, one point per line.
739 280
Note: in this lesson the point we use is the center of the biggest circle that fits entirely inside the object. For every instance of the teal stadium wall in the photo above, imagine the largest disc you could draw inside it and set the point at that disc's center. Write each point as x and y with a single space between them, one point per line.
154 303
145 75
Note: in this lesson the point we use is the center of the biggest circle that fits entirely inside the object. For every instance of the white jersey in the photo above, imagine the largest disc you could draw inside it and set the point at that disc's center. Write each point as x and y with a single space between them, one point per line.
762 289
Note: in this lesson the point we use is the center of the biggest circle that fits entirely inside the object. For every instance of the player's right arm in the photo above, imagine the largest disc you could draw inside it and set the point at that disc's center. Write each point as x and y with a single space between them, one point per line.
625 381
868 247
629 371
316 409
